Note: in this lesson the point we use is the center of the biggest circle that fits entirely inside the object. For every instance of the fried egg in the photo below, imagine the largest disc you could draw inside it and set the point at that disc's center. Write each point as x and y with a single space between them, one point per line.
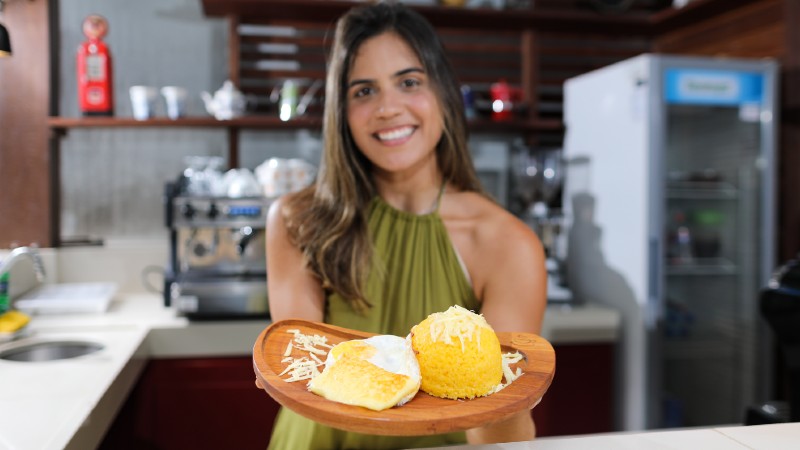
377 373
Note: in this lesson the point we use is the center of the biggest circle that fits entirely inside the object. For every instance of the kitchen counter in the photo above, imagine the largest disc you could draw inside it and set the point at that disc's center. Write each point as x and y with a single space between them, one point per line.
70 403
761 437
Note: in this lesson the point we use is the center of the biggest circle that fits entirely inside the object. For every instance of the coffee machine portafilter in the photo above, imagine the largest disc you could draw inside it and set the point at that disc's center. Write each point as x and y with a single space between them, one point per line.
217 261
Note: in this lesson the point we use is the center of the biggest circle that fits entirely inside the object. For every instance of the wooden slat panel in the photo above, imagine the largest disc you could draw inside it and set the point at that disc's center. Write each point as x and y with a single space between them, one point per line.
538 65
728 32
29 172
566 55
325 11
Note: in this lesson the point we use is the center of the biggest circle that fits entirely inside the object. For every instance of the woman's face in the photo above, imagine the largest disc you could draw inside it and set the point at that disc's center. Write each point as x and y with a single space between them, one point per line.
392 110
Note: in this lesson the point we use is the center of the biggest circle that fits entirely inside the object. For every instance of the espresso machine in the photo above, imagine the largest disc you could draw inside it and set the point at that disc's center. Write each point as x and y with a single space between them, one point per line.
217 262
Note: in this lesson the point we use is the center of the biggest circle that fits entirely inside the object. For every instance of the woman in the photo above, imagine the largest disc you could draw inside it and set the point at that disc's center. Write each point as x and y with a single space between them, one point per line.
396 226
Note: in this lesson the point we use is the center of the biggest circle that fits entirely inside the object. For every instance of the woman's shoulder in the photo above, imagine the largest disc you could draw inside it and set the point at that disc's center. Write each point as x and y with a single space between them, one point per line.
500 251
283 209
488 224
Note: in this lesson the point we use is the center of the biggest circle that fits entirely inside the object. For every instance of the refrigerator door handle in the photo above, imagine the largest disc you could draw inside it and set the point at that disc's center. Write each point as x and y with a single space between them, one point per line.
654 301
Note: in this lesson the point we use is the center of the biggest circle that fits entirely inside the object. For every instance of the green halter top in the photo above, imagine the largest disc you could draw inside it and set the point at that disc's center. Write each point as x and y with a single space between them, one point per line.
417 272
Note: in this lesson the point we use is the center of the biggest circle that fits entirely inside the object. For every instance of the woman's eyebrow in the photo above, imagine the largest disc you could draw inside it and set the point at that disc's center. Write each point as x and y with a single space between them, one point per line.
397 74
400 73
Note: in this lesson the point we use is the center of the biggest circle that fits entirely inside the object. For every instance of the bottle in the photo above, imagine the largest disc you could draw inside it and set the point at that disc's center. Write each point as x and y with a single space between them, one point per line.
681 241
4 300
684 244
501 100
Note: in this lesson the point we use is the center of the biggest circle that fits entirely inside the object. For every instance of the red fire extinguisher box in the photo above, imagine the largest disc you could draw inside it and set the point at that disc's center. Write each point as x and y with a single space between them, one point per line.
95 82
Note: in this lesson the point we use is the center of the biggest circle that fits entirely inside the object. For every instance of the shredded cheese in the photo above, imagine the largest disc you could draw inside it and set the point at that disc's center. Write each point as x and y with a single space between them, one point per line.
301 369
458 323
508 359
304 367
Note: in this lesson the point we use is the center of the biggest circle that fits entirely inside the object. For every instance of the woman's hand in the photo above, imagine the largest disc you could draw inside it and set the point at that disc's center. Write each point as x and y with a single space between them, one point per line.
518 428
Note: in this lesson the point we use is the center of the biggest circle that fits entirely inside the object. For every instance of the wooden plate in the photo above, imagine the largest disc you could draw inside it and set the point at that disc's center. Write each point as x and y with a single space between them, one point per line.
424 414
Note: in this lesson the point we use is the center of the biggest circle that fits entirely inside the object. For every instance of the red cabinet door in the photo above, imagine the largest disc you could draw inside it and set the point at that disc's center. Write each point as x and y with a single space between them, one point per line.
209 403
212 403
580 399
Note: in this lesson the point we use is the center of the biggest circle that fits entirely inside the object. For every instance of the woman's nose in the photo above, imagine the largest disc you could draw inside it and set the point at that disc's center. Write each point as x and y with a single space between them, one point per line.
389 105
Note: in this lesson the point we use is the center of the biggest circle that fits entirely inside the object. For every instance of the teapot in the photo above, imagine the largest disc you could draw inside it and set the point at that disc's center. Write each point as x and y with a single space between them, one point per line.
227 103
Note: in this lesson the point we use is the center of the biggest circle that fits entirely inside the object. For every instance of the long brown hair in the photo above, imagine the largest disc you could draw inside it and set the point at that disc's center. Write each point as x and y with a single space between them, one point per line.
328 221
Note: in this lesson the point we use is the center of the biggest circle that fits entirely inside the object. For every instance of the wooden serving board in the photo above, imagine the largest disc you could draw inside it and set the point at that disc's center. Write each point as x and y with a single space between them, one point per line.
424 414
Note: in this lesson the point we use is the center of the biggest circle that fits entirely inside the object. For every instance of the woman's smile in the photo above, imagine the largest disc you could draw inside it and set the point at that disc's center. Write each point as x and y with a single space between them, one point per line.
395 136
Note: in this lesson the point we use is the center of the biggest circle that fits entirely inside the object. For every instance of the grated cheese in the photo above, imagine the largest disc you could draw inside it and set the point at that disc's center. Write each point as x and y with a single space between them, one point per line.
509 376
458 323
301 369
304 367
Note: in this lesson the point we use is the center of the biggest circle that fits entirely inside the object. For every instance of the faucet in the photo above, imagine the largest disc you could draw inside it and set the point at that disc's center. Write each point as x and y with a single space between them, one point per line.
31 253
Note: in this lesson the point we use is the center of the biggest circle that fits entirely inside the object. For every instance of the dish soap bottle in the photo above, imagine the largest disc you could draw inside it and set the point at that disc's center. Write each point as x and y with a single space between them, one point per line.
4 301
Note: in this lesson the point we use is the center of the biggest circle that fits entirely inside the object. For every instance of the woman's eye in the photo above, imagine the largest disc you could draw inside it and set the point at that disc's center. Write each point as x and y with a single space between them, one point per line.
411 83
362 92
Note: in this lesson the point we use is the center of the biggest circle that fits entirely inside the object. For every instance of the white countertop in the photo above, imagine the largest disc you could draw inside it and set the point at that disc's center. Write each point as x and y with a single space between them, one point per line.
70 403
784 436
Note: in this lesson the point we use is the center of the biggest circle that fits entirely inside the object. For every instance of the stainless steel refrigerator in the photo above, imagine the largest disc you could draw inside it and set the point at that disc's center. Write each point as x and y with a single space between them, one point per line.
669 204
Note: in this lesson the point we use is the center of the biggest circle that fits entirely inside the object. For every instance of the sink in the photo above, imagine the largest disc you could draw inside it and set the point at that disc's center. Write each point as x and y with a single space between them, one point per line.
50 351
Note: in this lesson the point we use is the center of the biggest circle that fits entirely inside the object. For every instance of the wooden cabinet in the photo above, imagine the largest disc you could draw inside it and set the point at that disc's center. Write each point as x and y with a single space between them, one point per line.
212 403
580 400
209 403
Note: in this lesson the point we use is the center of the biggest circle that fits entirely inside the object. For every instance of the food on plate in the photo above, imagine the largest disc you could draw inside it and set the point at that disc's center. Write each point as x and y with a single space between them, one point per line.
304 367
459 355
453 354
377 373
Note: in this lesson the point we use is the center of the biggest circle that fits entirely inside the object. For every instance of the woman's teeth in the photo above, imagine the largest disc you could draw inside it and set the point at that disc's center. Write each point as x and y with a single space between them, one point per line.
395 134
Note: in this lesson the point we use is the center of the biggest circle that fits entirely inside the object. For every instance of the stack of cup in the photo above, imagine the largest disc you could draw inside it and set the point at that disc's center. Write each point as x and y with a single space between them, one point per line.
143 101
175 97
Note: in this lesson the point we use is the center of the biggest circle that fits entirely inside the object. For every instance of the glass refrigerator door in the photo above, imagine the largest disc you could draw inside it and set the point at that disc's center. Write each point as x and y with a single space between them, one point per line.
712 237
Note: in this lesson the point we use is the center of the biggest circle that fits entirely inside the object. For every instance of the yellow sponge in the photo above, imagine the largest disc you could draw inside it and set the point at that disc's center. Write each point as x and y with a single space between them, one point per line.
12 321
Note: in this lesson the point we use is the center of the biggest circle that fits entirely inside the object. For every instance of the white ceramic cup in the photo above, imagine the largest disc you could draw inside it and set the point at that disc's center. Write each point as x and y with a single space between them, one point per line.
143 101
301 173
175 97
274 176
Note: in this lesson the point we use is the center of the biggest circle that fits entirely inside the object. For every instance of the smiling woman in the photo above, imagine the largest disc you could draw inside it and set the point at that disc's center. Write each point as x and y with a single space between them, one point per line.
397 226
392 110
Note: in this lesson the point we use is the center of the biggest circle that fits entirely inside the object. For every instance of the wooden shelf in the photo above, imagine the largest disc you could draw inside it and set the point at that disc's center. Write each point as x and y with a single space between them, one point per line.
670 19
440 16
265 122
588 21
272 123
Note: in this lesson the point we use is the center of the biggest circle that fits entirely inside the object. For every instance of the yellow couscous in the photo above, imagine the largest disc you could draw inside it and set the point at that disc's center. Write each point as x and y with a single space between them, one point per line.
459 354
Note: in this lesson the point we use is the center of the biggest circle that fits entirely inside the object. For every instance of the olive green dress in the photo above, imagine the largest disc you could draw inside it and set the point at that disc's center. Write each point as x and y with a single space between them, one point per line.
418 273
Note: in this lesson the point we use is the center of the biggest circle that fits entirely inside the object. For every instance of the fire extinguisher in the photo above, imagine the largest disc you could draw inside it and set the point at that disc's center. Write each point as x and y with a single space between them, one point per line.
95 86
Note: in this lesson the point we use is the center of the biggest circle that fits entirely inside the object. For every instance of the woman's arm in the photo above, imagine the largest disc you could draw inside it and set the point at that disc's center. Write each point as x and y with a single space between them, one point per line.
293 290
514 298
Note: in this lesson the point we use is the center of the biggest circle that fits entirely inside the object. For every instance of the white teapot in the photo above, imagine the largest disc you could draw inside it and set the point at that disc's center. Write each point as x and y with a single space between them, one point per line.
227 103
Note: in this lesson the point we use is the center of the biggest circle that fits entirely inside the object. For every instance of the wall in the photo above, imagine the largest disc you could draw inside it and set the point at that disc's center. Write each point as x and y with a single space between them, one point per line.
112 180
